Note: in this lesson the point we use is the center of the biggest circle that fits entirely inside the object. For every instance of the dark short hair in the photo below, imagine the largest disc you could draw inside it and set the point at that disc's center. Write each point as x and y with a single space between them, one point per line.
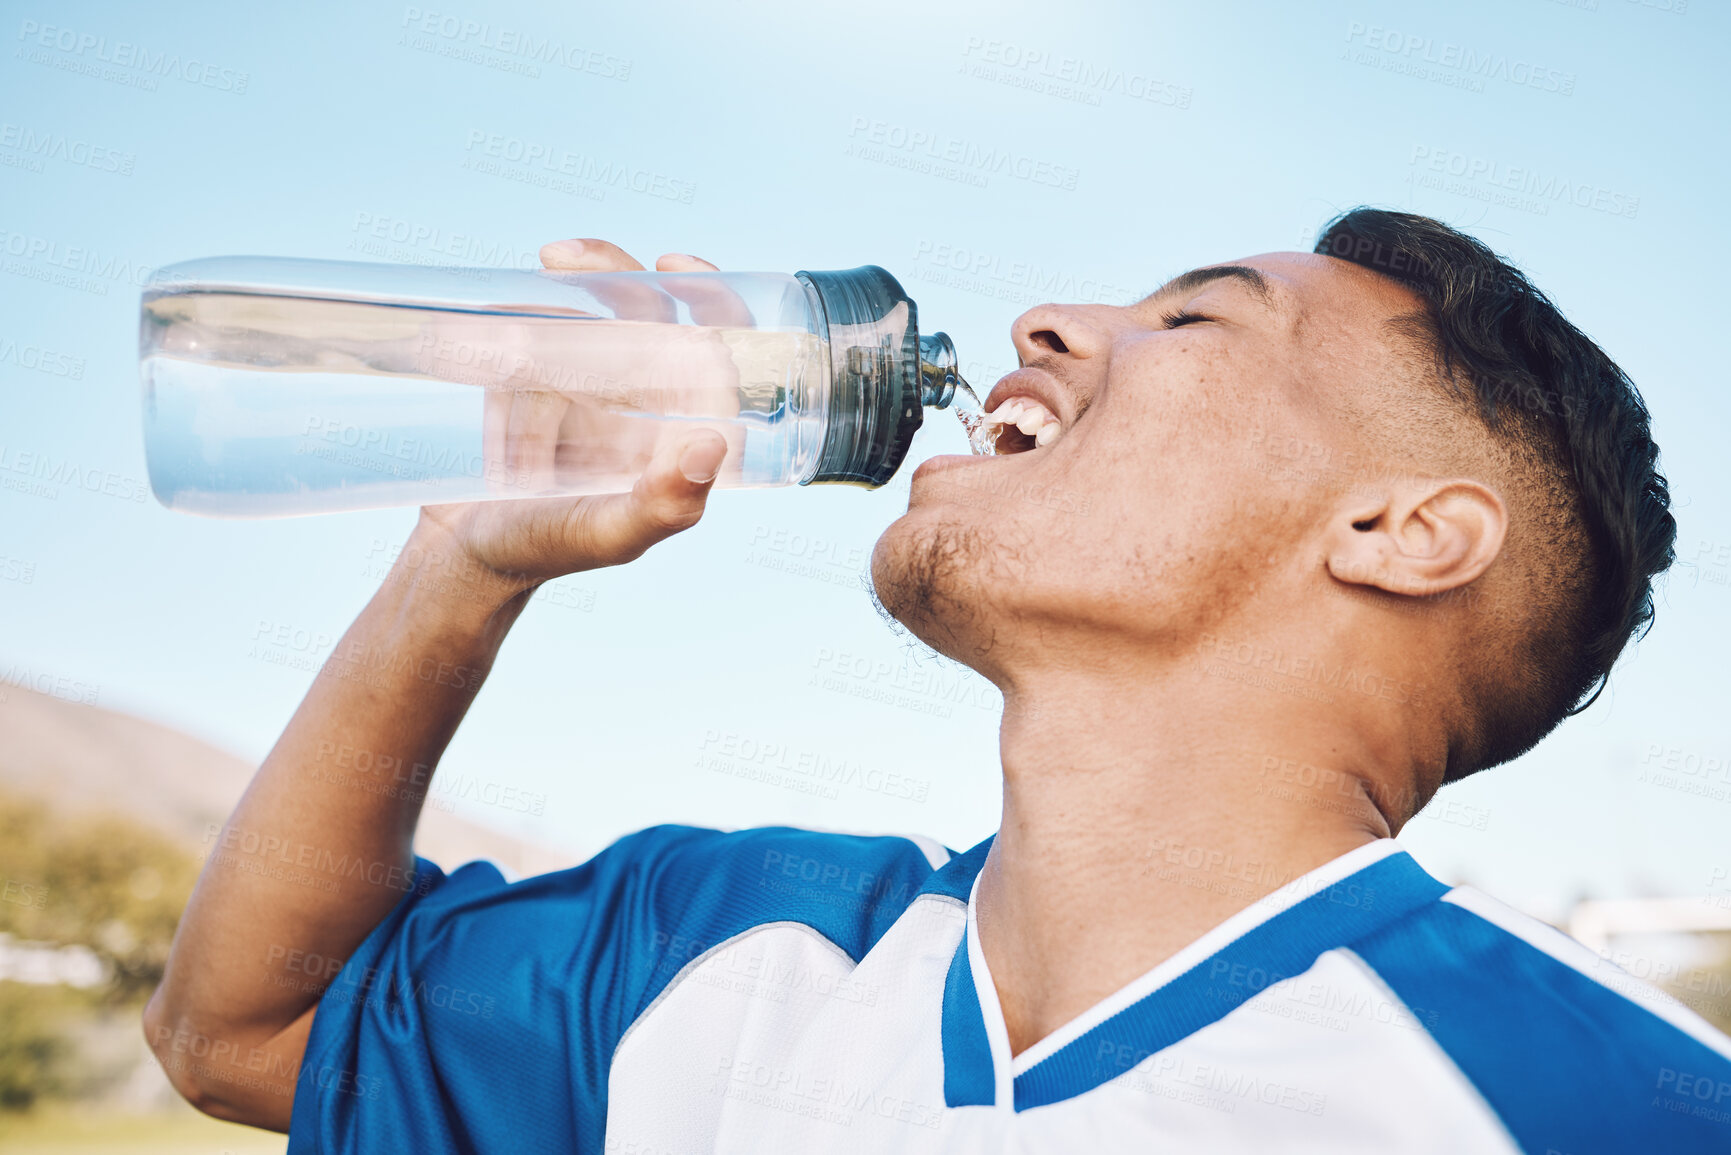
1544 388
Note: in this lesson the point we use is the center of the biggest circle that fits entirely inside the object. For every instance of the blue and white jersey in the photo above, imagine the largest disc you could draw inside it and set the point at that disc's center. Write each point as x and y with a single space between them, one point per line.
781 990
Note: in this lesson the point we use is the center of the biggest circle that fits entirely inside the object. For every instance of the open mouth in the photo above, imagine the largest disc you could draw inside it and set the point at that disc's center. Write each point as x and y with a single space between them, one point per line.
1021 425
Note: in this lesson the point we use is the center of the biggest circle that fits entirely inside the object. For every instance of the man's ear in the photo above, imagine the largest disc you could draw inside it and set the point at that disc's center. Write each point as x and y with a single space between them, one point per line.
1419 538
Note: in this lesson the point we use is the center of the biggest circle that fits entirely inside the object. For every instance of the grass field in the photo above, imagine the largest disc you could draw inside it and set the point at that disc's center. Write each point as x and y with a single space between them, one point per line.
58 1131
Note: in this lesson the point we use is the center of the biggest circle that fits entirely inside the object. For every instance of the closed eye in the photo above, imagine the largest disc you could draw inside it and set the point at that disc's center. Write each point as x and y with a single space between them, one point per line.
1174 320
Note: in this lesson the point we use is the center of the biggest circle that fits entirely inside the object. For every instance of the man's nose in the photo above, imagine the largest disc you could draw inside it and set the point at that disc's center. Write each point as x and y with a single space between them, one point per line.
1046 331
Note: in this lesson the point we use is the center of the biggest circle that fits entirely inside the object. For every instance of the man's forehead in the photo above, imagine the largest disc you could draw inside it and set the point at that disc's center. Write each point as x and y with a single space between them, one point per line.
1321 306
1273 281
1311 282
1333 308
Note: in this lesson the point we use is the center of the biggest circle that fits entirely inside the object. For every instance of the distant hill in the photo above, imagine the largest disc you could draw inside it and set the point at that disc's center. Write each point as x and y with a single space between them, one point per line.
85 759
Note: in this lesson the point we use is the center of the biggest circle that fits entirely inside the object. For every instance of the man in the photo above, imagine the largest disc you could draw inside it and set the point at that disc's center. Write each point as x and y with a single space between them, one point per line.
1360 522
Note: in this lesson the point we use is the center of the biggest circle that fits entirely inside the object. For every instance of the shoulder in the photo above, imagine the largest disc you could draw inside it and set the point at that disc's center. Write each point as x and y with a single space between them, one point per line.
848 887
1571 1052
677 891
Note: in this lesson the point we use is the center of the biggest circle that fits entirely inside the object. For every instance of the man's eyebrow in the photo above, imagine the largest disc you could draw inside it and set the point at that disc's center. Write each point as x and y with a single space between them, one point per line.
1196 278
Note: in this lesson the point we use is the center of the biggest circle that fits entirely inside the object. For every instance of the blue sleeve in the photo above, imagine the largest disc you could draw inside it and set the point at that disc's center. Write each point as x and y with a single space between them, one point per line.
482 1016
1567 1064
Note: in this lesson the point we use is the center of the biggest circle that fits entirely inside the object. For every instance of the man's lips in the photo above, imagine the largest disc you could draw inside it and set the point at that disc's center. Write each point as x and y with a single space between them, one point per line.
945 462
1031 382
1026 382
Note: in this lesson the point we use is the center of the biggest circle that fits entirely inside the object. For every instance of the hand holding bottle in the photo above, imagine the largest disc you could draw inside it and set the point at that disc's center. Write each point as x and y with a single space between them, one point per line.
535 540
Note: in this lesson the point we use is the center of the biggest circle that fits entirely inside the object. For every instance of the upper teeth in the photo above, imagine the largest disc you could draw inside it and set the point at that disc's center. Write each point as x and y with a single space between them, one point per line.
1027 415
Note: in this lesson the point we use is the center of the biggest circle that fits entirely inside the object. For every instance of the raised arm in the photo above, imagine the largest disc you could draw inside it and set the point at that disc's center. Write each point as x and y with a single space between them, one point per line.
318 850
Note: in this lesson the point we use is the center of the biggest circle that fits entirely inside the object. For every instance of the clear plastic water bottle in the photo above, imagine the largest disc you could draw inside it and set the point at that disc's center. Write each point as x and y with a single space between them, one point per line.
277 386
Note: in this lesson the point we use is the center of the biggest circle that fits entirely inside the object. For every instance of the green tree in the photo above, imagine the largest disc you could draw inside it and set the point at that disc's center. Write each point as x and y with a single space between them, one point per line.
35 1057
105 883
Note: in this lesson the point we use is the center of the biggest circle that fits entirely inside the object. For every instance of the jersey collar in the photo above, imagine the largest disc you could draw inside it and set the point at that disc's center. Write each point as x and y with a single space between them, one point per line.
1275 938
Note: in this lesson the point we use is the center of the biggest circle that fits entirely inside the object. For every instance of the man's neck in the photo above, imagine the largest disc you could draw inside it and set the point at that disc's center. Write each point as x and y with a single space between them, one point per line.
1138 815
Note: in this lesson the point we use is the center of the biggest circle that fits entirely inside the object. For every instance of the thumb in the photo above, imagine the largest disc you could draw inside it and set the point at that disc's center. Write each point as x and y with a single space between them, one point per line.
700 458
668 497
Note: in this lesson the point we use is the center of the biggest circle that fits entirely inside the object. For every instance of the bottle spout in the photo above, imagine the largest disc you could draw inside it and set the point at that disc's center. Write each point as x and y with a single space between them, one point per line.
938 373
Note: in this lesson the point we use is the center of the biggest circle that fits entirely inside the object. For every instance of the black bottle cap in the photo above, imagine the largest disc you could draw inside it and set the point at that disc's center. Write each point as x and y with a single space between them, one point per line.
875 381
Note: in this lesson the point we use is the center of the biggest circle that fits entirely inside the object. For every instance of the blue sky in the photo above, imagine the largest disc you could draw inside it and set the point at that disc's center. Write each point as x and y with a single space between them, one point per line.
1128 142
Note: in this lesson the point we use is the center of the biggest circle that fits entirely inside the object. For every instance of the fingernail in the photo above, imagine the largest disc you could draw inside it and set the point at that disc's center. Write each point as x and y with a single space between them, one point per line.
701 460
570 250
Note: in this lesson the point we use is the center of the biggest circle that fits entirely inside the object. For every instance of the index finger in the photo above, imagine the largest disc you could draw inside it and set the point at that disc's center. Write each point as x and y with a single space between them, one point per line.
710 299
588 255
630 299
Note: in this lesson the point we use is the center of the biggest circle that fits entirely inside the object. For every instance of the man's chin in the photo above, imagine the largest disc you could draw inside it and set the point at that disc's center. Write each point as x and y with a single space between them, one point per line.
927 575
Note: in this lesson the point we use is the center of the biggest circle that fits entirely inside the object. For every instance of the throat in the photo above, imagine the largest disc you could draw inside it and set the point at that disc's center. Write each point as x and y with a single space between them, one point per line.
1141 812
1067 922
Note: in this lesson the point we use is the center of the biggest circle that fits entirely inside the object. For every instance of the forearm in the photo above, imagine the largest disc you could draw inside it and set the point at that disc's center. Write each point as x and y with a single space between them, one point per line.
319 849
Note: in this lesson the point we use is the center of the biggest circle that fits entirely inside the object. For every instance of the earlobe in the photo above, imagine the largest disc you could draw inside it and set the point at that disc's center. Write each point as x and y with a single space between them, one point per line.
1426 539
